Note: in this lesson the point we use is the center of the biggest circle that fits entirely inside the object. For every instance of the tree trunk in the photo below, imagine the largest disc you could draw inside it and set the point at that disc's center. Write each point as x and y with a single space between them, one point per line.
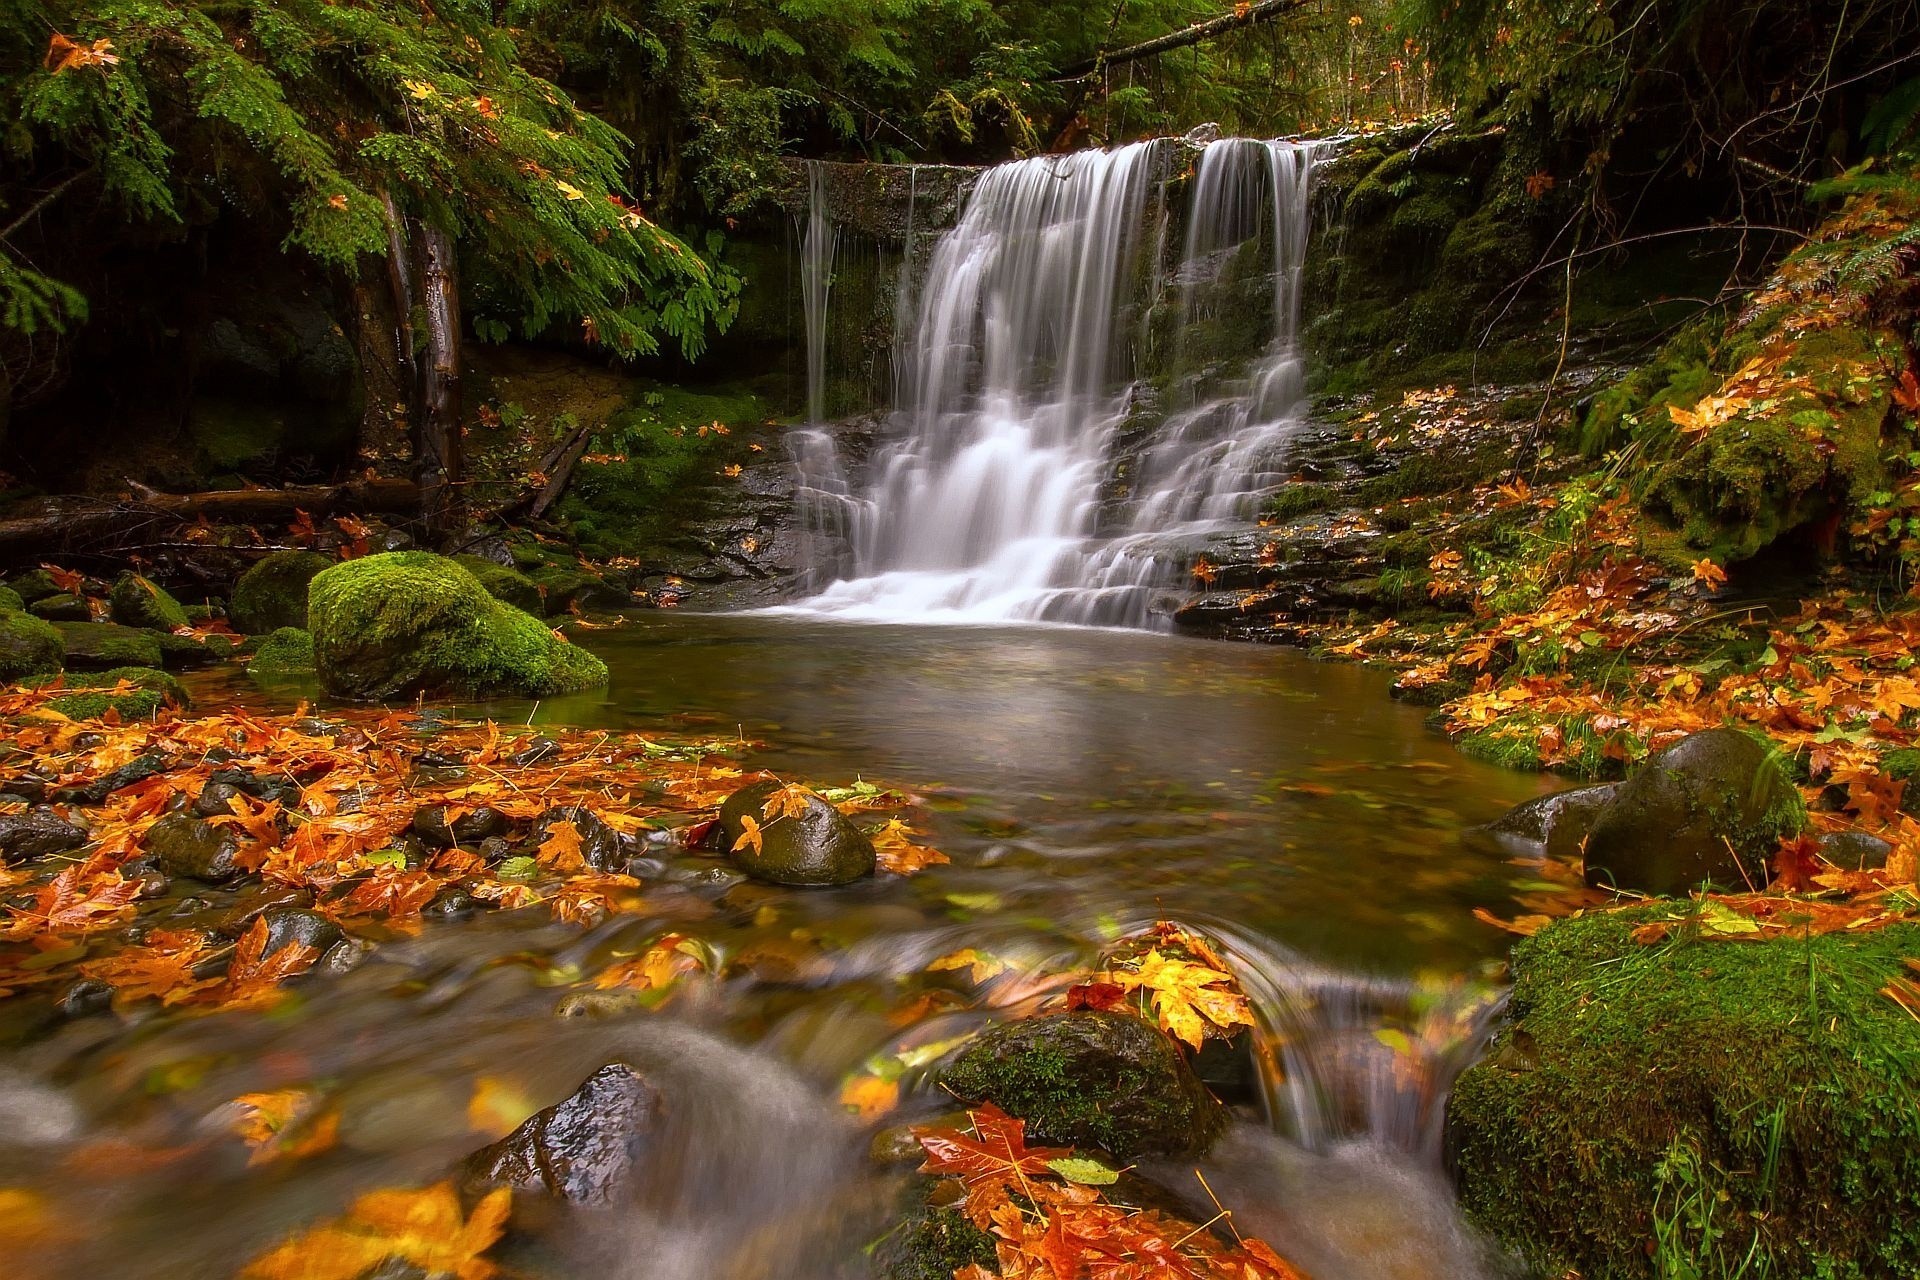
1245 16
75 523
439 453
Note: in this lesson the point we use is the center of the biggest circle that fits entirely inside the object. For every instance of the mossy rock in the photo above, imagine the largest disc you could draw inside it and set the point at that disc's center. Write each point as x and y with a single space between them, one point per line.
273 593
90 694
933 1244
136 601
34 584
411 622
509 586
1711 809
287 653
1090 1079
62 608
1768 1086
102 646
10 599
29 646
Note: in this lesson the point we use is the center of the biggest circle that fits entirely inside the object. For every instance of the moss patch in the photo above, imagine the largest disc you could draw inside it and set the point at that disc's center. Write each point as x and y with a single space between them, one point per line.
140 602
273 593
409 622
102 646
933 1245
92 693
29 646
288 652
1768 1086
509 586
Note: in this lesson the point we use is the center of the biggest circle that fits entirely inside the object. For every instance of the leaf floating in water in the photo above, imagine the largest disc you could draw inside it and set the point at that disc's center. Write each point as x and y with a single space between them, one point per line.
425 1228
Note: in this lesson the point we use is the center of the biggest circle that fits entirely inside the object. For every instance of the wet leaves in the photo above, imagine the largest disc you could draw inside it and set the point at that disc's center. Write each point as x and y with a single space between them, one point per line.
425 1228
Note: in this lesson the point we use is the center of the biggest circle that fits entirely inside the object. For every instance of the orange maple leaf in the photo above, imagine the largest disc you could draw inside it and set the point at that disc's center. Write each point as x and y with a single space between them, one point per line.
424 1227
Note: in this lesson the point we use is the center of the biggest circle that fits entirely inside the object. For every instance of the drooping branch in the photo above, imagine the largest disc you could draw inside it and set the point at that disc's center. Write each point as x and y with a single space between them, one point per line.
1244 15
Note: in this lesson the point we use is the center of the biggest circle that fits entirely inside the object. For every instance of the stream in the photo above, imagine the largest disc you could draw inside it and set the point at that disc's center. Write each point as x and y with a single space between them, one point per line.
1084 782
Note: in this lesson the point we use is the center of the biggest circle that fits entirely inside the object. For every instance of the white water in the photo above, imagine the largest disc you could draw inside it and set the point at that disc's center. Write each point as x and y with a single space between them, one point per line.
995 496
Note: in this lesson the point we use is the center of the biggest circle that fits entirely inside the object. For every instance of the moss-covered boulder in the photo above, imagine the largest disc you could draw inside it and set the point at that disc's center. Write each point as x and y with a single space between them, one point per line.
29 646
10 599
62 608
136 601
508 586
409 622
1090 1079
816 847
1711 809
133 693
102 646
34 584
1695 1101
273 593
287 653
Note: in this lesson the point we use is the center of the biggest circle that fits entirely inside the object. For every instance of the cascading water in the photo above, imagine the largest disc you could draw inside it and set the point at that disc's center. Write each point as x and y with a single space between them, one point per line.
995 496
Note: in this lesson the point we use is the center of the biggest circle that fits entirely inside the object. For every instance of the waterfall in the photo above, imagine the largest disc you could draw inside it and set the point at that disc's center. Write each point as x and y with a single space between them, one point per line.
816 284
997 493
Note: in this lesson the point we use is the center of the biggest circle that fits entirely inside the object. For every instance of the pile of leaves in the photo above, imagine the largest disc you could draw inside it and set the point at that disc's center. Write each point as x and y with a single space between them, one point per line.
324 821
1050 1220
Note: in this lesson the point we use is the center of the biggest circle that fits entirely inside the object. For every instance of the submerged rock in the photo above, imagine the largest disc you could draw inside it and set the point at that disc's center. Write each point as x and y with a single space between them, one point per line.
273 593
37 833
819 847
1711 809
409 622
582 1150
1091 1079
1771 1081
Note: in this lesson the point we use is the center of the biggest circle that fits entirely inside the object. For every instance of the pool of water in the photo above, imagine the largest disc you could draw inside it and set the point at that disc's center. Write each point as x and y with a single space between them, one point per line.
1083 782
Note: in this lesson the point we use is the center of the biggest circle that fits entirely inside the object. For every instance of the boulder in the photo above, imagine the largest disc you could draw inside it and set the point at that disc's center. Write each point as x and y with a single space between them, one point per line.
102 646
430 824
818 847
34 584
294 926
506 584
136 601
11 599
410 622
62 608
1090 1079
583 1150
285 654
273 593
1854 850
183 845
36 834
29 646
1556 824
1711 809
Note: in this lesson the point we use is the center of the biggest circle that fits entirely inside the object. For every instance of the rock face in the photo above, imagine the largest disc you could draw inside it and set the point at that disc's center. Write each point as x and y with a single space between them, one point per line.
582 1150
36 834
1709 809
28 646
1618 1055
1102 1080
819 847
410 622
273 593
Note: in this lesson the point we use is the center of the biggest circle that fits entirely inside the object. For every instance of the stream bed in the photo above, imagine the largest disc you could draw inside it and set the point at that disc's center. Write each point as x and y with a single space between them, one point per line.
1085 783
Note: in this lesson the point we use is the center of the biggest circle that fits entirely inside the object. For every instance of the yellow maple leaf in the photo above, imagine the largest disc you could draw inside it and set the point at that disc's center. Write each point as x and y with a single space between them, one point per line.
568 190
750 838
283 1123
1187 996
980 966
790 801
1708 572
498 1107
560 851
423 1227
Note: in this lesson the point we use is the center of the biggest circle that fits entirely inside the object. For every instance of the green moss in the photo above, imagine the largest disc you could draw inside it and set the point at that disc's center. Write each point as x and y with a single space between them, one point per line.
10 599
507 585
29 646
1769 1085
408 622
1299 499
91 693
1427 474
286 652
139 602
102 646
273 593
34 584
933 1245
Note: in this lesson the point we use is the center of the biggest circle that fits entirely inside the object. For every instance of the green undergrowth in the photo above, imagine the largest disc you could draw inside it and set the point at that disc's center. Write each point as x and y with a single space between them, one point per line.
1698 1107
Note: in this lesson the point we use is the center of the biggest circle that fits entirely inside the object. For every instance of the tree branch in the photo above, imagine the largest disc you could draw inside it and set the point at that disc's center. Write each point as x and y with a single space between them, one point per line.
1244 16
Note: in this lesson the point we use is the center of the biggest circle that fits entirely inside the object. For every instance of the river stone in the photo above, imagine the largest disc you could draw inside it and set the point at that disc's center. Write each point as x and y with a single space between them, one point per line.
818 848
430 824
185 846
1705 810
36 834
138 769
1557 823
298 927
583 1149
600 844
1854 850
102 646
61 608
136 601
1090 1079
29 646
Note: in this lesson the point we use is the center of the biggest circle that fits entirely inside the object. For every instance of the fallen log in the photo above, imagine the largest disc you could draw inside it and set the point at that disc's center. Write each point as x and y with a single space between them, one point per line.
1244 15
84 523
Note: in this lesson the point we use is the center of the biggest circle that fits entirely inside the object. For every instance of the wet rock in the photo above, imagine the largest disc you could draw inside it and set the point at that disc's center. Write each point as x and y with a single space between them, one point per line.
539 751
216 799
454 903
1854 850
596 1004
1709 809
61 608
139 769
261 786
1090 1079
84 997
183 845
819 847
1554 824
600 844
102 646
430 824
254 902
582 1150
37 833
299 927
